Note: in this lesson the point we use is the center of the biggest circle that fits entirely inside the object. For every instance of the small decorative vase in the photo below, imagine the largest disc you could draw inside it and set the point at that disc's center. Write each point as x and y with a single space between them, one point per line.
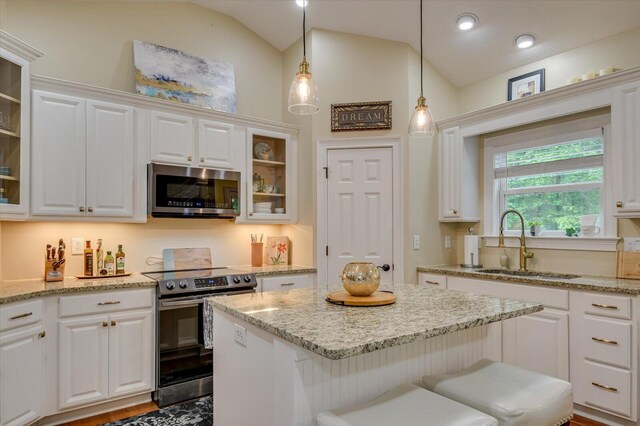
504 259
360 278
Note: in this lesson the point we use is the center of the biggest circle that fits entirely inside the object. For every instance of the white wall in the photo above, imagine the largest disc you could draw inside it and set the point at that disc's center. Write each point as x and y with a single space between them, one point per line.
620 51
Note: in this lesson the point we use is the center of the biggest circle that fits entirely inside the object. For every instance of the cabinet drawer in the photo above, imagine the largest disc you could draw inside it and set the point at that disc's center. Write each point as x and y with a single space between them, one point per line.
607 341
432 280
20 313
607 387
105 302
286 282
608 306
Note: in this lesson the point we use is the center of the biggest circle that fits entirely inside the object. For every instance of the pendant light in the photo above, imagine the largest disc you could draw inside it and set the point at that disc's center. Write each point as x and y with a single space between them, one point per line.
421 123
303 94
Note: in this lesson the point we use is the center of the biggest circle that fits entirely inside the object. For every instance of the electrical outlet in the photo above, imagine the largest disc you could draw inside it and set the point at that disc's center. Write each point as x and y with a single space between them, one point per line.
631 244
447 241
240 334
77 245
416 242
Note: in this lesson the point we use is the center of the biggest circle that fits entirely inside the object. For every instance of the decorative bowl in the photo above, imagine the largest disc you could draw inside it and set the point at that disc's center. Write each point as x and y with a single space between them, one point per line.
360 278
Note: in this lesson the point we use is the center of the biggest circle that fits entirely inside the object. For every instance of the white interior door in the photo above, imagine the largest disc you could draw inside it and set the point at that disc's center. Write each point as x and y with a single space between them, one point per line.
359 210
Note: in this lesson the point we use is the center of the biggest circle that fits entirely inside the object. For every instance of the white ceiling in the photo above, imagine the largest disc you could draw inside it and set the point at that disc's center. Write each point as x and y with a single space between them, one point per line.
463 57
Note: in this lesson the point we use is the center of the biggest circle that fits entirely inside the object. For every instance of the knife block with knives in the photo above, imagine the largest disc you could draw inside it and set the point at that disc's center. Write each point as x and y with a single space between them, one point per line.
54 262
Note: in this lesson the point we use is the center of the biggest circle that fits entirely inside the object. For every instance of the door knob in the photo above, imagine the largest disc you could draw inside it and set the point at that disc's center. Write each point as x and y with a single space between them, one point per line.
385 267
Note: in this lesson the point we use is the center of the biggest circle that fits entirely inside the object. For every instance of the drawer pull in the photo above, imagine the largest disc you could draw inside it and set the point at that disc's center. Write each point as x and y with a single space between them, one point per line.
608 388
105 324
431 282
28 314
600 305
41 335
116 302
608 342
287 284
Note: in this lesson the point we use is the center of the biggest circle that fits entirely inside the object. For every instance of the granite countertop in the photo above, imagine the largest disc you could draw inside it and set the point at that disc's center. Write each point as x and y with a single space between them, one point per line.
583 282
16 290
304 318
275 270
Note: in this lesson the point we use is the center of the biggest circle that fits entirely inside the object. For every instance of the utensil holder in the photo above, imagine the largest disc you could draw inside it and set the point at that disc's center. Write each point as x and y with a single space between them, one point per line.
256 254
51 275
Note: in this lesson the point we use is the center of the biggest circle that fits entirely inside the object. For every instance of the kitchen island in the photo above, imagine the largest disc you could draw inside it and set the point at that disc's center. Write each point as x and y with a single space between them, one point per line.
282 357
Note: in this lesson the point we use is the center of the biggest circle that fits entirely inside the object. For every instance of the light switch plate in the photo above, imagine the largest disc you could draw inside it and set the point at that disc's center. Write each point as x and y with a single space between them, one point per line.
632 244
240 334
416 242
77 246
447 242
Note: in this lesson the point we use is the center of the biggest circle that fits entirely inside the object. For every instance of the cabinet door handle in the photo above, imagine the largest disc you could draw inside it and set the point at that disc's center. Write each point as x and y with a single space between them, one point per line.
81 209
202 159
41 335
608 342
105 324
189 158
90 209
115 302
431 282
609 388
619 204
455 211
600 305
287 284
113 323
28 314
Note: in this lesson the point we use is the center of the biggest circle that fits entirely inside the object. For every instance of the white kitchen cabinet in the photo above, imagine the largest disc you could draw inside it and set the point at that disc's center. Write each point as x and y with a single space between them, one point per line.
172 138
286 282
21 368
458 183
538 342
216 147
83 157
83 367
15 106
271 177
625 148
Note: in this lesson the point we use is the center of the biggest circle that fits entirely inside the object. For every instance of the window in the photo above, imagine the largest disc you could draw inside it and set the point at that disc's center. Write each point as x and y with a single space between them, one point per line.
552 175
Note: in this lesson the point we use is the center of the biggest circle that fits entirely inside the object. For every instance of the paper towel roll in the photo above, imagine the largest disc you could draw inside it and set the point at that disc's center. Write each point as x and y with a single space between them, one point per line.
471 250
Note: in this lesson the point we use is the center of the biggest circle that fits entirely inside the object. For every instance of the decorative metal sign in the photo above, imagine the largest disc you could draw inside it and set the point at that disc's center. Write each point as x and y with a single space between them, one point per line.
361 116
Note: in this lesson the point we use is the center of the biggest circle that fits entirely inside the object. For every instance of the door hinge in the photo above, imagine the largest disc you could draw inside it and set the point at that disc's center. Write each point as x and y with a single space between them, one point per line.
326 250
326 172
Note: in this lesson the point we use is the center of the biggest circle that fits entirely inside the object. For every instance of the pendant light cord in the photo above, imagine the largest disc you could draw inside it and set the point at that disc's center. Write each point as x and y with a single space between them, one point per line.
421 59
304 27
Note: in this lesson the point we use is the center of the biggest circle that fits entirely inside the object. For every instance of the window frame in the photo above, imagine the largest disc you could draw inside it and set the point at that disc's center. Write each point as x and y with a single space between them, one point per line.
495 190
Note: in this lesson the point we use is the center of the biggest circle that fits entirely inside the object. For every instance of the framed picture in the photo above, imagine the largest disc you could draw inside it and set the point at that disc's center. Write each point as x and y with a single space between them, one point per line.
361 116
526 85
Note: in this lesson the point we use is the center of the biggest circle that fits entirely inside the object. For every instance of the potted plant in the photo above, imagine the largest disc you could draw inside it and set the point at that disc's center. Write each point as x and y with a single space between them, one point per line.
534 227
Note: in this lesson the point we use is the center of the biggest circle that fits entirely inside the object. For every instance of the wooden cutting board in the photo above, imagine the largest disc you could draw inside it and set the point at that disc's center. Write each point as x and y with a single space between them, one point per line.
379 298
186 258
628 265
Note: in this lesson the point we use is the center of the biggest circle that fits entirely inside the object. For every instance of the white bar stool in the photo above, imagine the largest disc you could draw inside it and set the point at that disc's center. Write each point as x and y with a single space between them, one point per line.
407 405
513 395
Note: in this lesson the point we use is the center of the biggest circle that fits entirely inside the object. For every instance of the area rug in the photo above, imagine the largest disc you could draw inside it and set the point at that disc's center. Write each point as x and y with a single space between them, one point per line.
198 412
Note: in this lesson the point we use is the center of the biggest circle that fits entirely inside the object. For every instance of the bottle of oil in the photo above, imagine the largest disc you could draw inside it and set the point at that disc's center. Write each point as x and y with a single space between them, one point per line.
109 263
88 259
120 260
100 259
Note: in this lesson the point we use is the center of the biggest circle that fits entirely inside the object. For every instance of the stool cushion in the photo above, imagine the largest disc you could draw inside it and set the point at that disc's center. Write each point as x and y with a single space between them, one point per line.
513 395
406 405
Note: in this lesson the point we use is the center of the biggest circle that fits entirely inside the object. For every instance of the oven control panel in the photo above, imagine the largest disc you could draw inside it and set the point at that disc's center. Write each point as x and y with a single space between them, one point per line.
211 282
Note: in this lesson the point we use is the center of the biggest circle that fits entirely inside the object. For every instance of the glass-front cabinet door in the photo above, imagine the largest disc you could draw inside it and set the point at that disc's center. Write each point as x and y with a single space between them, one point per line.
15 57
271 177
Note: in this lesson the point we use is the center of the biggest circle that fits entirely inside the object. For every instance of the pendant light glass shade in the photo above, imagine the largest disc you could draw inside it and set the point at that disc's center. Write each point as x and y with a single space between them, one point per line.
303 93
421 122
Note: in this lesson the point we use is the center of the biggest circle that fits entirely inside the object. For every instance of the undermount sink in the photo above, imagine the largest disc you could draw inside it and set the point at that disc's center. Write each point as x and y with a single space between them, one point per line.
532 274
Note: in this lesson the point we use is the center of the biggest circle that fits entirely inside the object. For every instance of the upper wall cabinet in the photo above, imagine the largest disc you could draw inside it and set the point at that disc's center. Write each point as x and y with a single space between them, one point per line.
15 110
187 141
625 117
83 158
458 201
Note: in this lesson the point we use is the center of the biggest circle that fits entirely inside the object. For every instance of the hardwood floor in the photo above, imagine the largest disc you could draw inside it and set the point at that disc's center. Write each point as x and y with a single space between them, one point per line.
151 406
114 415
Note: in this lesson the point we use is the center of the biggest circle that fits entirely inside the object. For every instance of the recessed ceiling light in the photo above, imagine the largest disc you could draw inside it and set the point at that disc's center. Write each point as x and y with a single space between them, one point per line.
466 21
525 40
302 3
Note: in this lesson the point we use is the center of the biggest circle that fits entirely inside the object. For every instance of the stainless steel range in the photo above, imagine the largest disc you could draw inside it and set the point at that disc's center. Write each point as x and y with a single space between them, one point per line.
184 367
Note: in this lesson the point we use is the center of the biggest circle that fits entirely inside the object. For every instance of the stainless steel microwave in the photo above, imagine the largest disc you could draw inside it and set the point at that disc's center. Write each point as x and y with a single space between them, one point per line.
192 192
